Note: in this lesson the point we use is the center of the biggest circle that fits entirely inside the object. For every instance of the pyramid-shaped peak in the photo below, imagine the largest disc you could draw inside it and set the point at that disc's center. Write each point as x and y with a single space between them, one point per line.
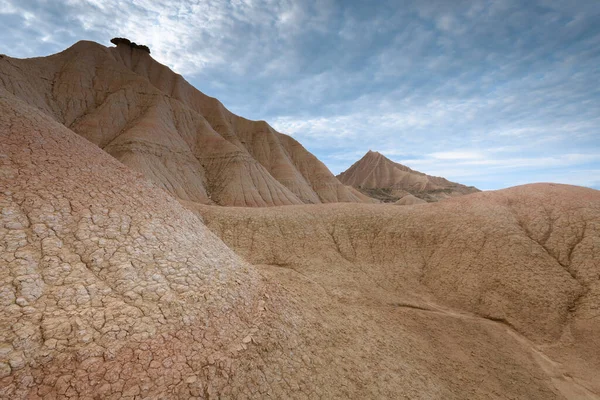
375 172
373 154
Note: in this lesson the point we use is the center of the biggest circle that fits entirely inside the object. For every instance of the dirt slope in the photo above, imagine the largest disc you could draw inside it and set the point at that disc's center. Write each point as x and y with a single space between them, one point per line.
383 179
109 287
409 200
522 263
155 122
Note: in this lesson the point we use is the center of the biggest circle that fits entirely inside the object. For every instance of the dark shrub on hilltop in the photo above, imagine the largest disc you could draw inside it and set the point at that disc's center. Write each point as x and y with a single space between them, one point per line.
129 43
119 40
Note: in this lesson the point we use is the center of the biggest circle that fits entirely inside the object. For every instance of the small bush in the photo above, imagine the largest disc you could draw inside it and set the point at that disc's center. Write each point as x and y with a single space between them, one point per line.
119 40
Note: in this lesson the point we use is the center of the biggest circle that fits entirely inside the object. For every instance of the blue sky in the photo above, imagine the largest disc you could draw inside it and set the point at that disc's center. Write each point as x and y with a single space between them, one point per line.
486 93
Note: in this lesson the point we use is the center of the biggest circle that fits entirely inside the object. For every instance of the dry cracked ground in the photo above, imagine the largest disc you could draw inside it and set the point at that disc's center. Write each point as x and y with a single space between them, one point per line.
112 288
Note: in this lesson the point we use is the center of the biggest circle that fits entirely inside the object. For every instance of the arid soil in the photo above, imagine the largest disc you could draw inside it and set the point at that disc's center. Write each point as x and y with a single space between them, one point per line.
520 264
409 200
380 178
116 285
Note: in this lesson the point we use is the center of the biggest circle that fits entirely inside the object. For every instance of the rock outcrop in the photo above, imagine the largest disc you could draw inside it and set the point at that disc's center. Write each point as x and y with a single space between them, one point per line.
155 122
124 41
381 178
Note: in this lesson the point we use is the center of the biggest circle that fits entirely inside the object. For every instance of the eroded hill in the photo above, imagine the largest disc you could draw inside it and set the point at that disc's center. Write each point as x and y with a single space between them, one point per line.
155 122
380 178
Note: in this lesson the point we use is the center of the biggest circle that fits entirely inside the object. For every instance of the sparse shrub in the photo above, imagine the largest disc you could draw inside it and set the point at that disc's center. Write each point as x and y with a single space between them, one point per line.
118 40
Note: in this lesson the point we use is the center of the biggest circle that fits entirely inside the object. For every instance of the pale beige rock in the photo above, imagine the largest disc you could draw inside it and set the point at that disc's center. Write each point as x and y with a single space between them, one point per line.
383 179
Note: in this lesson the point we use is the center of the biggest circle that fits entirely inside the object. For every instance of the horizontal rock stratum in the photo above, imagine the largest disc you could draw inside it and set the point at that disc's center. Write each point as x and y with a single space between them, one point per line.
155 122
114 288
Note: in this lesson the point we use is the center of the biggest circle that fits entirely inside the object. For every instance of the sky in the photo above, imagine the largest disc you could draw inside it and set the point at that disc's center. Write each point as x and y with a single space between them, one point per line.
486 93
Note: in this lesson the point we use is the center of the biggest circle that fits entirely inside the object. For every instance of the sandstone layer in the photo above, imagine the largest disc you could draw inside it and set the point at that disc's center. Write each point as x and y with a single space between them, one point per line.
155 122
379 177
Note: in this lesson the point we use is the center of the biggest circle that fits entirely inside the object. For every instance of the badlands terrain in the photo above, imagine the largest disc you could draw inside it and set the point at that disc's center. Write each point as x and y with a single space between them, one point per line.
153 121
379 177
124 275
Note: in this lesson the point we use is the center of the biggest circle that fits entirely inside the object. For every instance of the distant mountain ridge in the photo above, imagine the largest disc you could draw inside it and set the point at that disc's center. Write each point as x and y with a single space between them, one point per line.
155 122
379 177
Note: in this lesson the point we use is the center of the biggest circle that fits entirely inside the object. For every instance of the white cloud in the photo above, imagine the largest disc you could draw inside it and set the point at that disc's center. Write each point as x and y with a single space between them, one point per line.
6 7
192 36
458 155
487 163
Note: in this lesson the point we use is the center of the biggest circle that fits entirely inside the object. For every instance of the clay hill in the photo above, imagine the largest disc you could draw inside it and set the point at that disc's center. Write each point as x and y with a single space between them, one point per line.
110 288
156 123
379 177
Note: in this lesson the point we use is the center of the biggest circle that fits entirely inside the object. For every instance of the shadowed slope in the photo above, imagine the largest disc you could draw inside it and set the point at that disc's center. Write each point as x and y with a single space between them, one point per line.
152 120
383 179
